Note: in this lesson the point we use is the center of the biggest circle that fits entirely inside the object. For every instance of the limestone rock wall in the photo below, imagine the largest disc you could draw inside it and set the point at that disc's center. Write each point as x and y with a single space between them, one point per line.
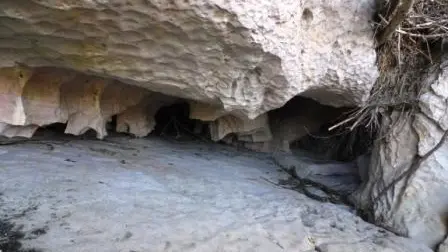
232 60
245 57
34 97
416 206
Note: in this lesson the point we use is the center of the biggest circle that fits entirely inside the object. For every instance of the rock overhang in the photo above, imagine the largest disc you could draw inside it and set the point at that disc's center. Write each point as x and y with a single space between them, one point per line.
242 58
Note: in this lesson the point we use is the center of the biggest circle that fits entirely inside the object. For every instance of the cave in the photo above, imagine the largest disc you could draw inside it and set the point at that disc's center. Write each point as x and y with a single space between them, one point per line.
204 125
296 135
334 160
173 121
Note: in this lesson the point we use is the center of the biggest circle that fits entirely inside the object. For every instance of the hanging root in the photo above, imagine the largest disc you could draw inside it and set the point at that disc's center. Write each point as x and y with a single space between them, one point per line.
410 37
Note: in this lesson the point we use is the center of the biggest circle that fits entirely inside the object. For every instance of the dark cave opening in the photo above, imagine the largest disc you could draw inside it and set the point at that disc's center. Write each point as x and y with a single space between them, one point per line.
174 121
305 124
340 144
333 162
58 130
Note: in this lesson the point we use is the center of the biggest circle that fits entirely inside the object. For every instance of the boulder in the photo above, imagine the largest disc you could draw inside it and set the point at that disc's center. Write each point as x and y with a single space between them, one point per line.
413 148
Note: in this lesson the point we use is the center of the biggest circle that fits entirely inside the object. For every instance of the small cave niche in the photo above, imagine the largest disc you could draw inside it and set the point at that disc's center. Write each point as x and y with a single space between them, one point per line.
305 124
174 121
340 144
51 130
111 125
327 158
58 130
299 118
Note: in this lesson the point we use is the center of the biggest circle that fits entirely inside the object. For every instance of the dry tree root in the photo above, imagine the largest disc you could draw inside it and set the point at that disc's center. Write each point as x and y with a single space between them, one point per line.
400 14
407 174
411 31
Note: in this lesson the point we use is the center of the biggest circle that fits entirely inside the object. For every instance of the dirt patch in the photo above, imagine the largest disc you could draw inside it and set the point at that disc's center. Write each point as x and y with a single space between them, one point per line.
11 237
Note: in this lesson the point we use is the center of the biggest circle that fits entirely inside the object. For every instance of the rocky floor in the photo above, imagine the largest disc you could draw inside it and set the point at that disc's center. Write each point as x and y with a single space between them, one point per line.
135 195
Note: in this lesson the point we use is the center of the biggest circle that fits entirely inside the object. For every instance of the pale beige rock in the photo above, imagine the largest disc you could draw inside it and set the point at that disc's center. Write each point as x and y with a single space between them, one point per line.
205 112
421 211
139 120
81 97
9 130
117 97
42 96
246 57
232 124
12 82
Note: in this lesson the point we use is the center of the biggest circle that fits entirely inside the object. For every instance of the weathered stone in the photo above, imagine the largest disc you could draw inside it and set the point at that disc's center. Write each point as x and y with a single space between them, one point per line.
12 81
139 119
417 205
339 177
118 97
247 57
43 102
9 130
225 125
205 112
82 96
34 97
443 246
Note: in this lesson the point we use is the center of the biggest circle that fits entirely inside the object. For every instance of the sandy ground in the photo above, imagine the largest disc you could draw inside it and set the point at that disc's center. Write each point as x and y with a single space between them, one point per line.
136 195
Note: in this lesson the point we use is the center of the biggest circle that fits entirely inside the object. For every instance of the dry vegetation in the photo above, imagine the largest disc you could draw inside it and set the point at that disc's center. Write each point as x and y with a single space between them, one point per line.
410 37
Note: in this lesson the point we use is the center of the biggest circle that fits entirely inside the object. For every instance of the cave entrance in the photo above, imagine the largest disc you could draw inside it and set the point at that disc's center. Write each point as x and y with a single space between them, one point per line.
58 130
333 161
174 121
340 145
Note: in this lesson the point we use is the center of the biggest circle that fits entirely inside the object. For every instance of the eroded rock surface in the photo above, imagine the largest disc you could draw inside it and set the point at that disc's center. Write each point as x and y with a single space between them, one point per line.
341 178
417 205
128 194
34 97
247 57
233 61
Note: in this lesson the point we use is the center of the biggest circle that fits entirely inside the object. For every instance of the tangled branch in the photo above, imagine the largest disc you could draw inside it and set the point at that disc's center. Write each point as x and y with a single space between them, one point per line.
411 32
400 14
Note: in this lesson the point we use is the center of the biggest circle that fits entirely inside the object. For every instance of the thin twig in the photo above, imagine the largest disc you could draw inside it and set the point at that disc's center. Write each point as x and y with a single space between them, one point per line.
399 49
426 36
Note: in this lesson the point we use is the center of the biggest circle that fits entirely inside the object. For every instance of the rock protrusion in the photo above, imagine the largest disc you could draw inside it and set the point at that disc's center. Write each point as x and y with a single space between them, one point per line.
245 57
412 148
36 97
